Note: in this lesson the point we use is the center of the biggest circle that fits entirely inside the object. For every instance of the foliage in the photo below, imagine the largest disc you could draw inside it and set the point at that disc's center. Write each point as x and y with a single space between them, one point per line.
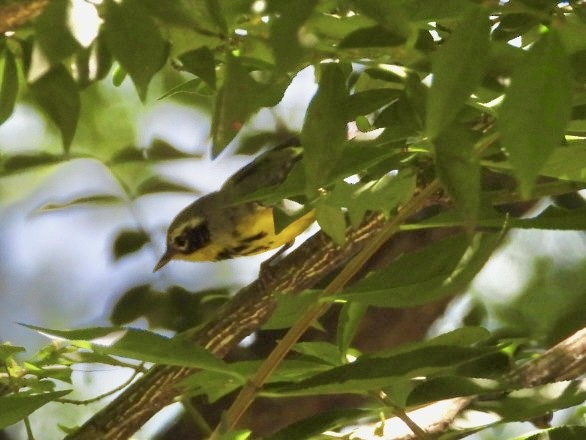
487 96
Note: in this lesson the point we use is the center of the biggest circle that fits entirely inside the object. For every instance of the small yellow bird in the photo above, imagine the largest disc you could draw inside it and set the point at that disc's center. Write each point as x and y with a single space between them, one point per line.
216 227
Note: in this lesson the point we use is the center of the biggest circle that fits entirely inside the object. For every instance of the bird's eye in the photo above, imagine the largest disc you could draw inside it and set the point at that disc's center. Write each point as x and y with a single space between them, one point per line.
180 242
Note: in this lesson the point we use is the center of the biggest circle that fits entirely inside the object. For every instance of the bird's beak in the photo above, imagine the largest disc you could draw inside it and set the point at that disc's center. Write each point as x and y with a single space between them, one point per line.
167 256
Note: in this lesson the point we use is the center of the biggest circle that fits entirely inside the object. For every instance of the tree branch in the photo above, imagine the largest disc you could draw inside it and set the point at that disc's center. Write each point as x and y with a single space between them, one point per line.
246 312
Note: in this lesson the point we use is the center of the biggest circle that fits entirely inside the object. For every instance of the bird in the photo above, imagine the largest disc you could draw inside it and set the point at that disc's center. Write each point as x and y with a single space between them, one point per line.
218 226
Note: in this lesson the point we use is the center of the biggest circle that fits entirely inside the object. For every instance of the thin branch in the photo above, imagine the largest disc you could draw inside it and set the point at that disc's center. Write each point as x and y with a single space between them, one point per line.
564 361
16 14
247 394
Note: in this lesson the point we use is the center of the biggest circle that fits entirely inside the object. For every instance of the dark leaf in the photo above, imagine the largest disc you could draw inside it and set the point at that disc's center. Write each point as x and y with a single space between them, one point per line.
23 162
376 36
457 67
311 427
443 268
324 130
458 168
201 63
368 101
135 41
236 101
102 199
57 94
8 86
128 242
161 150
157 184
285 40
53 34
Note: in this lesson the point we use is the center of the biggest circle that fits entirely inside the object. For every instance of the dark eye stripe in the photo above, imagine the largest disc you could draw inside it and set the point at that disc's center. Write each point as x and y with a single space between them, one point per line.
196 237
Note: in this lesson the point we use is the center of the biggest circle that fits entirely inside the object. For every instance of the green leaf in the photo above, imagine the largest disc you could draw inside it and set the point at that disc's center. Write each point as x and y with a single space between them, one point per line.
567 162
57 94
135 41
102 199
332 221
348 324
157 184
8 86
536 109
371 373
311 427
23 162
284 38
52 31
557 433
141 345
458 168
381 195
201 63
457 67
553 218
289 309
368 101
527 403
128 242
236 101
15 408
324 130
192 87
375 36
446 387
7 350
419 277
161 150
